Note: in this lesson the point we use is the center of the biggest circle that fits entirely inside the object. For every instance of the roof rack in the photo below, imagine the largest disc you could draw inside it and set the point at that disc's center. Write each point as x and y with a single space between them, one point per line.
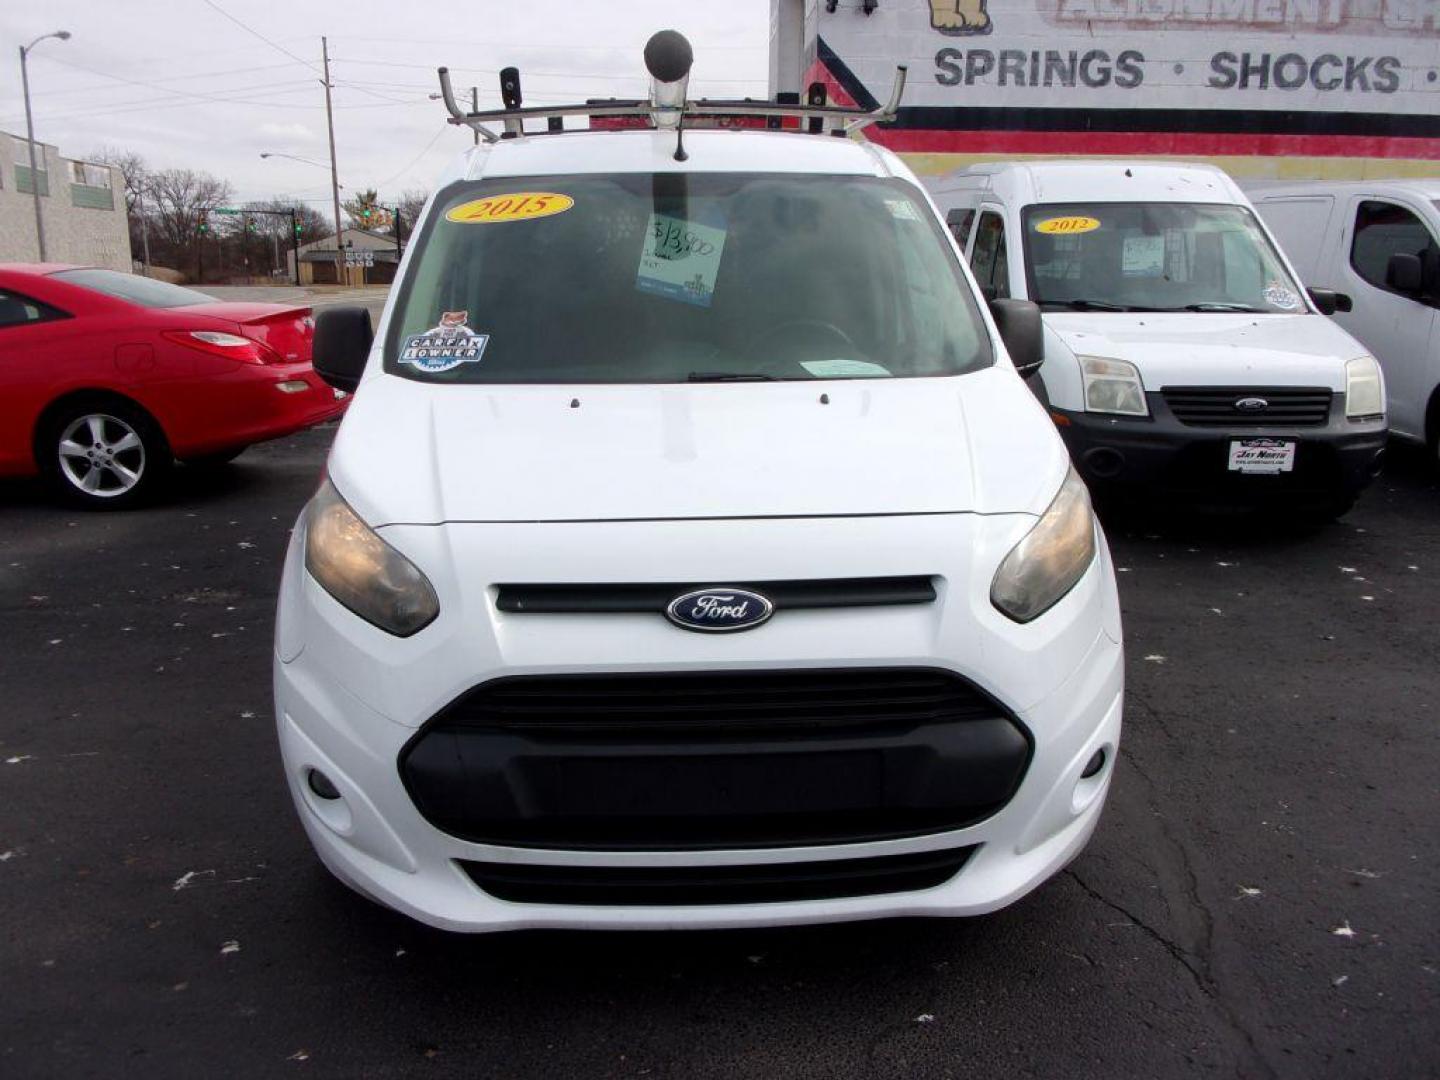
668 58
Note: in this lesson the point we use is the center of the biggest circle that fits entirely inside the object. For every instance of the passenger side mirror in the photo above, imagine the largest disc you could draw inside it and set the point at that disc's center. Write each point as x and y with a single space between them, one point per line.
1404 273
343 336
1023 331
1329 301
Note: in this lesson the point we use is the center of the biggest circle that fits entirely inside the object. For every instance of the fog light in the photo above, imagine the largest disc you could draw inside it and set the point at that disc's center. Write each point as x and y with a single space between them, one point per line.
1093 766
292 386
320 784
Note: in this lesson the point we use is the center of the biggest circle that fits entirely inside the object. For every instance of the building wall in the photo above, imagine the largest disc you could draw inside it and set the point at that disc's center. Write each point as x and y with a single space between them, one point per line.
84 222
1270 88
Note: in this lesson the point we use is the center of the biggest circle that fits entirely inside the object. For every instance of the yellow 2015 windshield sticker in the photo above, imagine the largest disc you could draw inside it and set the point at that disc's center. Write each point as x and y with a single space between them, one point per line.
514 206
1067 226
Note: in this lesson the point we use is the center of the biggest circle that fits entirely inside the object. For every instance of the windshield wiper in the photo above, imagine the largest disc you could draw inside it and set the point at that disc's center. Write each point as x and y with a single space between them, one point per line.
1092 305
729 376
1221 305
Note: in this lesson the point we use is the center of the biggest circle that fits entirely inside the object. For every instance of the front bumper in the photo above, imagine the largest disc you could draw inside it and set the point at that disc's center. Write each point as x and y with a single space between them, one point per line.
1159 457
351 700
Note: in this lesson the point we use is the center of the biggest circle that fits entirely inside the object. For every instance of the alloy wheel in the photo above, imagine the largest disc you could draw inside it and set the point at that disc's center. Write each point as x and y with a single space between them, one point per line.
102 455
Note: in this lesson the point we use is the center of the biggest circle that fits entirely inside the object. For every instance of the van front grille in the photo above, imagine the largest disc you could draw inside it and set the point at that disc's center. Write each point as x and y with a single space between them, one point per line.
1213 406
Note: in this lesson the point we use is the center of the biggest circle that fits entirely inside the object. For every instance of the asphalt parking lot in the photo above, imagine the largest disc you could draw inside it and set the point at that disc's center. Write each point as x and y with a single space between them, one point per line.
1260 900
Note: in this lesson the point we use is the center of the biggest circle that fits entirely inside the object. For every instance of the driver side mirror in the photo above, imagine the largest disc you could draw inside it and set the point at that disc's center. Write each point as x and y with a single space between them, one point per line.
1329 301
341 346
1404 273
1023 332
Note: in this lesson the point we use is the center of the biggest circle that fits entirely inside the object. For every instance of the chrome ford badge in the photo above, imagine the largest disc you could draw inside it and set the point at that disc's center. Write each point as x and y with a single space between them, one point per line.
1252 404
719 611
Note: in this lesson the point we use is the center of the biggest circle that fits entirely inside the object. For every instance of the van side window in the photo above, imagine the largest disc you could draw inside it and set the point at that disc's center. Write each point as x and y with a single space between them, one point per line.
989 260
1383 229
959 221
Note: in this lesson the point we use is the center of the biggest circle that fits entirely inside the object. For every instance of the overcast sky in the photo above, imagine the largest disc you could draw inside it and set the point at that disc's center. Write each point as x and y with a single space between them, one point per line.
191 83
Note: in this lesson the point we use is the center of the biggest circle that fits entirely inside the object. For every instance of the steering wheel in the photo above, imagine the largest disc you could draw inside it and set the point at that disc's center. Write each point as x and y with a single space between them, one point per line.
809 324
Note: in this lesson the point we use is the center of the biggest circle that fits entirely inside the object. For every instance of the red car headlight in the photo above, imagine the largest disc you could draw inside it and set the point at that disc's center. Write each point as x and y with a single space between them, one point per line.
231 346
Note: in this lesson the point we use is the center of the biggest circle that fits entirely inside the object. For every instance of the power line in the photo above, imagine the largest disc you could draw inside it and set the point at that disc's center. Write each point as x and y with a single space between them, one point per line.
415 160
256 33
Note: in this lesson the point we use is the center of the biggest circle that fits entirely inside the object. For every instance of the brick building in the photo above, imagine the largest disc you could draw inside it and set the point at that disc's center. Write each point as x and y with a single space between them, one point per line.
82 204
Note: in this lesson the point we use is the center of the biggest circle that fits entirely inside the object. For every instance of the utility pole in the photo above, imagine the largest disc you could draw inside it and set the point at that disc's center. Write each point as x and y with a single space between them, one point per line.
334 172
474 108
62 35
295 243
144 225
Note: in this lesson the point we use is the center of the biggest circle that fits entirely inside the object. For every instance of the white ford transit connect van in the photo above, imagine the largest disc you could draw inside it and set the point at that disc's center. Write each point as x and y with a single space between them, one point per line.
1375 240
692 553
1183 360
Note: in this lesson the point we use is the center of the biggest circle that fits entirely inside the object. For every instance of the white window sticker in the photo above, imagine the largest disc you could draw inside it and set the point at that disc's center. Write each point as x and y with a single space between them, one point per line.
1143 256
902 209
447 346
680 259
1277 294
841 368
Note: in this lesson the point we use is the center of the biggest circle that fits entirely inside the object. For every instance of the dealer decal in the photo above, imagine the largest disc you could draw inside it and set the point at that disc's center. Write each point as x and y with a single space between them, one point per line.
1067 226
515 206
447 346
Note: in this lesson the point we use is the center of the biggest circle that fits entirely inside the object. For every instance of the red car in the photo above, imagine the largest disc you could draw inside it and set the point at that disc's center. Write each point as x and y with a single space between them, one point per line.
107 378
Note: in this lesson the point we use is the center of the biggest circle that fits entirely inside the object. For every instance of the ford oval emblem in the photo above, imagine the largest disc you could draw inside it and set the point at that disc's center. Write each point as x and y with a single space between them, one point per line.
1252 404
718 611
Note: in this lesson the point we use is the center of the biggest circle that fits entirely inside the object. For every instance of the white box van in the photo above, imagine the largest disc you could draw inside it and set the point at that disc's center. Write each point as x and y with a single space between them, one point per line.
1376 241
692 554
1183 359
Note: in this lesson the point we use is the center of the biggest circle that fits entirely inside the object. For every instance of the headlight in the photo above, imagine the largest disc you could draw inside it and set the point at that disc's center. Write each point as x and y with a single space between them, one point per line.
1364 388
363 572
1112 386
1052 557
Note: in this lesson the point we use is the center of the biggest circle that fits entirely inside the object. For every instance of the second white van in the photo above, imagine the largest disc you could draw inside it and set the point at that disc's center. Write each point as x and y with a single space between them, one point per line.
1183 358
1376 240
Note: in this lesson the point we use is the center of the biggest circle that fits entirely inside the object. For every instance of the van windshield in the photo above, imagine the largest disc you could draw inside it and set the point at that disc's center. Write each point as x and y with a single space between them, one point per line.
662 278
1154 257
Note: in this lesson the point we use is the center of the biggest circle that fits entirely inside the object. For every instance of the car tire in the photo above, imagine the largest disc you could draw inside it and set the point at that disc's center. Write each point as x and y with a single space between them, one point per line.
103 454
215 461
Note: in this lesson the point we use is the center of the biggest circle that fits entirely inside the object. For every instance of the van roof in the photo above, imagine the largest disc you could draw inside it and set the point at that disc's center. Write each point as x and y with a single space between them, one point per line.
654 151
1419 187
1105 180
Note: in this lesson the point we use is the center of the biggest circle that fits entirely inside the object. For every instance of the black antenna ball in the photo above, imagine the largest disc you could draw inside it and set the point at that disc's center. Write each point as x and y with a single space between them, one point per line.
668 56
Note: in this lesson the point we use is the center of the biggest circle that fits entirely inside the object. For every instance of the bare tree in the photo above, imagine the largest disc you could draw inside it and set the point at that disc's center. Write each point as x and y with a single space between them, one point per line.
182 197
410 205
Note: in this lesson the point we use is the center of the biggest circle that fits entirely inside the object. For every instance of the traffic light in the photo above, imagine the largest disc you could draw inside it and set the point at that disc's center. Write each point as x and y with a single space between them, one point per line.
365 215
203 227
297 229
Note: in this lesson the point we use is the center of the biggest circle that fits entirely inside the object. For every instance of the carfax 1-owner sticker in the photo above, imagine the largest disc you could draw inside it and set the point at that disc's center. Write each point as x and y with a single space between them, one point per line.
447 346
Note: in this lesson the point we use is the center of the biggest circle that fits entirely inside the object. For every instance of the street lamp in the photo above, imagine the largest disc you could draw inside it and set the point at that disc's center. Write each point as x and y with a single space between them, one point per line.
306 160
63 35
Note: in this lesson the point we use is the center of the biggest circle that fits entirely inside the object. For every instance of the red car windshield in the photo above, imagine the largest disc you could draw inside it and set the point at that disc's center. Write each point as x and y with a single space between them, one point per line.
146 292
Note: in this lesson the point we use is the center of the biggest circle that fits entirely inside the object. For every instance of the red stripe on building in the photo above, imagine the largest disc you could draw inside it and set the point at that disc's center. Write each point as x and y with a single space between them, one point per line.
1188 144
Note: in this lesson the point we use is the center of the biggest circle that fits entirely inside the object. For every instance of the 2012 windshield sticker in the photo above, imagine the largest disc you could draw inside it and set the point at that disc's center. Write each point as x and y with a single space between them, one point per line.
447 346
1067 226
680 259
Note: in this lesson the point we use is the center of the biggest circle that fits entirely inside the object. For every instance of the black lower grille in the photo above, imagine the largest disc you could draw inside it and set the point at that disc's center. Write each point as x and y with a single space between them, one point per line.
522 883
1216 406
715 759
612 598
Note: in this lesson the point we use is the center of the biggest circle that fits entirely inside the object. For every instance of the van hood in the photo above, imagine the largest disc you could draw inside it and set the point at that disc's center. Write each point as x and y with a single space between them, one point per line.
424 453
1213 349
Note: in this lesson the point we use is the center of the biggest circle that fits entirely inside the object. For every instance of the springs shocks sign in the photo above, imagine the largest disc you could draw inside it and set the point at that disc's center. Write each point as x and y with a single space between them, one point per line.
1345 79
